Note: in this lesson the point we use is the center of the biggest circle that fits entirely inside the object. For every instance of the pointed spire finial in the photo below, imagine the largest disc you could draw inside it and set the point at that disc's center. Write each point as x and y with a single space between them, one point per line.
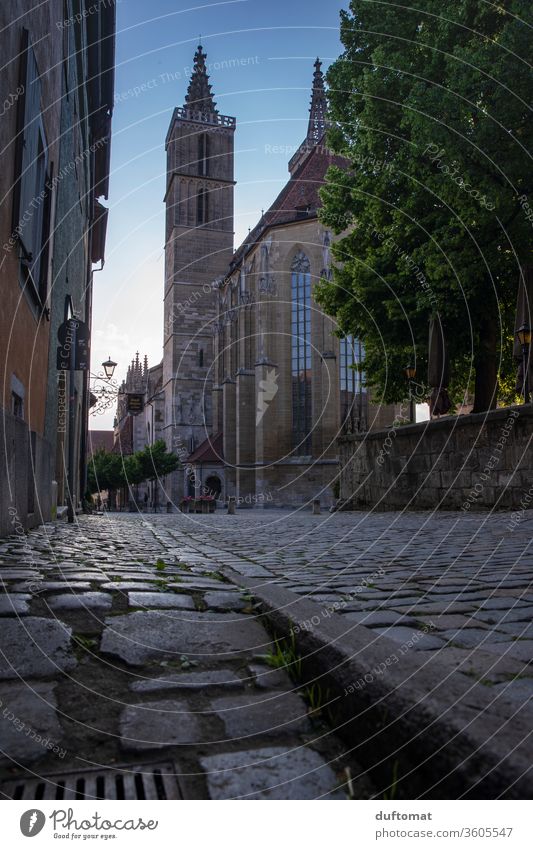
199 96
317 115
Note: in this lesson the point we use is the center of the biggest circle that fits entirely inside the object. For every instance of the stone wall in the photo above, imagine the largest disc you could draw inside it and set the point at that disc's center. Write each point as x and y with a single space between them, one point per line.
26 488
474 462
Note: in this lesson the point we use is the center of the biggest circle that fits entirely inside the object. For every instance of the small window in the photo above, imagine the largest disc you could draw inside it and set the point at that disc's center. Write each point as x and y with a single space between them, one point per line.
202 207
201 357
203 154
17 406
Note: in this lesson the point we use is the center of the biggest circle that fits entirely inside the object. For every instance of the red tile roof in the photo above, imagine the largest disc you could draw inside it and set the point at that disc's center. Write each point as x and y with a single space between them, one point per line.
209 451
99 439
297 201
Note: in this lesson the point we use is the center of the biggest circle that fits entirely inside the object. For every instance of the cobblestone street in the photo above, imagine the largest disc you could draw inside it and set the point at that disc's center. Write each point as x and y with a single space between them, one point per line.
468 577
129 640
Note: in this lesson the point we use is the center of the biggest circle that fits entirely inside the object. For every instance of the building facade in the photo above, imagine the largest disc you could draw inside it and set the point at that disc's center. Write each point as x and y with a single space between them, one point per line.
276 385
198 248
56 88
134 432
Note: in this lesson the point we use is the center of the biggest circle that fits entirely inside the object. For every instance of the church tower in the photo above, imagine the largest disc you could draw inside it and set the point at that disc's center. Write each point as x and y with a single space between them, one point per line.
198 249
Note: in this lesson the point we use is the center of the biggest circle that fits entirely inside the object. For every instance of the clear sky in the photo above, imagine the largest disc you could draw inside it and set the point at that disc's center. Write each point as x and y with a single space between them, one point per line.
261 55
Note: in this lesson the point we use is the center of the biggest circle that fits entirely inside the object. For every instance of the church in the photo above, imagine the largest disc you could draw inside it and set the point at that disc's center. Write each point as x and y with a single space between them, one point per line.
257 383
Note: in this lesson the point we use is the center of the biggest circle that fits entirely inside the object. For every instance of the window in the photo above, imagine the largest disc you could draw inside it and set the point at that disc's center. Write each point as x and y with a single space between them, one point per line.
32 196
201 357
18 394
203 154
17 406
352 391
202 207
301 354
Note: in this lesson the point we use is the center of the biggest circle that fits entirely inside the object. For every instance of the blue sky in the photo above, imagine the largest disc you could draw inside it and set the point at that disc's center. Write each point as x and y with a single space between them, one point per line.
267 89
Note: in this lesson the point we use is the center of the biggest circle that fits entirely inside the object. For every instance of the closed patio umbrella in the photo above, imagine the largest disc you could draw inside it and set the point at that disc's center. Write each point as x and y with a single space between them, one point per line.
438 369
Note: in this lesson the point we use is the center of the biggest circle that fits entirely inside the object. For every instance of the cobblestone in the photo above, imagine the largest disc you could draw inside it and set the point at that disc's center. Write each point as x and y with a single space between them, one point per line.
196 643
96 681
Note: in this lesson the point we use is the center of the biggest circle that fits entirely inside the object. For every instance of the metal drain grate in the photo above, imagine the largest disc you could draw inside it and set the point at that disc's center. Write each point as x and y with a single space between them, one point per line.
139 781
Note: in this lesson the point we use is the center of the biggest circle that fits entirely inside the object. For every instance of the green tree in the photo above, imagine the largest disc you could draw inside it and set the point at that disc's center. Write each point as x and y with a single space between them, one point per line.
155 461
430 107
113 471
105 471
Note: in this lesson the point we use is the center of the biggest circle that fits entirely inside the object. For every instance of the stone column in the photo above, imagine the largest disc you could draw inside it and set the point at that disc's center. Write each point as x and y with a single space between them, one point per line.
266 424
217 409
229 428
245 430
328 432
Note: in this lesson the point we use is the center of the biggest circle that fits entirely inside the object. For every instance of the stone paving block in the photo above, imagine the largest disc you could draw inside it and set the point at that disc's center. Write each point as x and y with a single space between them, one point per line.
19 575
148 636
270 713
457 622
39 587
128 585
267 677
374 619
498 617
29 726
270 773
472 637
35 646
522 630
502 603
194 583
86 576
520 690
224 601
80 601
156 725
420 641
175 601
201 680
521 650
14 604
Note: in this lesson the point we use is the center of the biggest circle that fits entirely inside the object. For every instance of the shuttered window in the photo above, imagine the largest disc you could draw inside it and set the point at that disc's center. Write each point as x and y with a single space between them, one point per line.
32 198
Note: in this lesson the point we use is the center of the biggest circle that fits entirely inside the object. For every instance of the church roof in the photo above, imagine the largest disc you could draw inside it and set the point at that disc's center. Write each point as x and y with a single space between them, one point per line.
199 96
211 450
298 200
99 440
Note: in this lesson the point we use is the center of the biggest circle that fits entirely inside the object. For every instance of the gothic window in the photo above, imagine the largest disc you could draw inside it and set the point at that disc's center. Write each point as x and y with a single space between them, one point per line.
203 154
202 208
352 353
301 353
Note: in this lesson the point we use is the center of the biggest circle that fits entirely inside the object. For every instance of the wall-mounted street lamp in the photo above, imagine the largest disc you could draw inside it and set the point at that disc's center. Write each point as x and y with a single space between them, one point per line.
524 337
410 373
103 389
109 368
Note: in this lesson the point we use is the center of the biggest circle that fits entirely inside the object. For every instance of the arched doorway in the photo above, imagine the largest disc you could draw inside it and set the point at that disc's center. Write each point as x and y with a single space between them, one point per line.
213 486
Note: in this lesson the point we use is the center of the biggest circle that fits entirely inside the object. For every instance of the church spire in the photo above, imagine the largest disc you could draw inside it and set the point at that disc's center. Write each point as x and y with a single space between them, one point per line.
199 97
317 115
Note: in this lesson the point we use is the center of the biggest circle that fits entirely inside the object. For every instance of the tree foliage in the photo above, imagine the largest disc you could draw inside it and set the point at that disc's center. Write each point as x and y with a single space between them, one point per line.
114 471
430 105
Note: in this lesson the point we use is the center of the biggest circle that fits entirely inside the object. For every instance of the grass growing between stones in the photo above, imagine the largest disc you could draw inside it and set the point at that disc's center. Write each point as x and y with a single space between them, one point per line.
317 699
83 645
284 655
